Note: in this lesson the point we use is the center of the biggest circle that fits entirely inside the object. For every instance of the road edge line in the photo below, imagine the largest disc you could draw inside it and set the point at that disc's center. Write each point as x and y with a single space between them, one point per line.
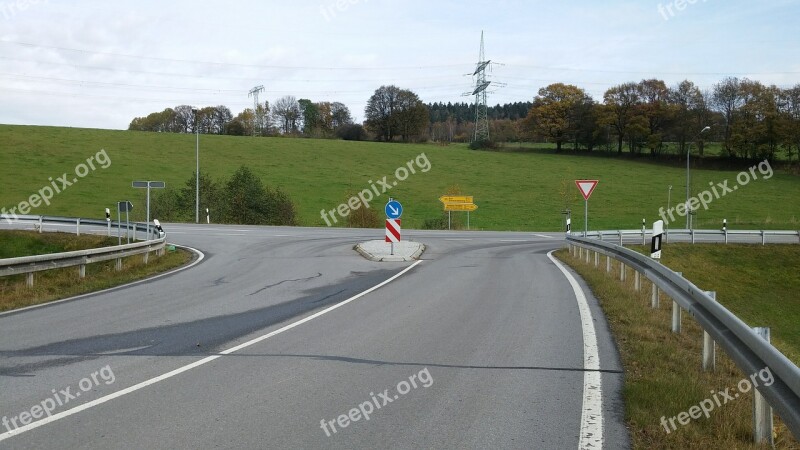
591 435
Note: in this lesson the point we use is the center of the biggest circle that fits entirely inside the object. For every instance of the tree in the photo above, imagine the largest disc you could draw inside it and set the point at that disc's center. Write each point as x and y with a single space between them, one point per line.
340 115
727 99
689 104
555 110
410 116
620 103
392 111
287 113
310 114
379 112
655 107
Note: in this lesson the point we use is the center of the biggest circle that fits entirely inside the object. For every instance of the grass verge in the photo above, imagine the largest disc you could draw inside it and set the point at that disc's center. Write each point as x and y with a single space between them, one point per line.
514 190
663 373
63 283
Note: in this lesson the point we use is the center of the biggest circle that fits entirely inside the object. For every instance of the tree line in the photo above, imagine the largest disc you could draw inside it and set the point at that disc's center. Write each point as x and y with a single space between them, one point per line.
751 120
286 116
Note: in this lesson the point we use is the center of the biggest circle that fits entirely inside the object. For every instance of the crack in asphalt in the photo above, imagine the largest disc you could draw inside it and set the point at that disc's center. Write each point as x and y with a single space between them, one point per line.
319 274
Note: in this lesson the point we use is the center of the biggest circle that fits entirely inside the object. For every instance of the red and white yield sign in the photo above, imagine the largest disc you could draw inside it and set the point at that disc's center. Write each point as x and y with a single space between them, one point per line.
392 230
586 187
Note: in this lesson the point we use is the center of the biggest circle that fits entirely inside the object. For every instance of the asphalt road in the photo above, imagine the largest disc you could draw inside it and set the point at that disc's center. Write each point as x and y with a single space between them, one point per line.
272 342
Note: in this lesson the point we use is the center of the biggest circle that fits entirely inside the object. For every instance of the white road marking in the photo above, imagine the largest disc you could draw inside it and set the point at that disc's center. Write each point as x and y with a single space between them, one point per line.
591 436
206 229
208 359
458 239
209 234
514 240
543 236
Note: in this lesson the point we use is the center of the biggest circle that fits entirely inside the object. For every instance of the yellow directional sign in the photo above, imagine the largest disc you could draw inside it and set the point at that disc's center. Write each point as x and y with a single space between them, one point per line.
456 199
460 207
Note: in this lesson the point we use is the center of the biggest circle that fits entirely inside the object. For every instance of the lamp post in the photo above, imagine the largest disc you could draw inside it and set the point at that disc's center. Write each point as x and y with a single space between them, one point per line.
669 201
688 151
197 169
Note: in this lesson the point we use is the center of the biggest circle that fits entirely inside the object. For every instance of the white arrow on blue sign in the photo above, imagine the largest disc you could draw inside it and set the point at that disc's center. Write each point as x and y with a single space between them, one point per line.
394 209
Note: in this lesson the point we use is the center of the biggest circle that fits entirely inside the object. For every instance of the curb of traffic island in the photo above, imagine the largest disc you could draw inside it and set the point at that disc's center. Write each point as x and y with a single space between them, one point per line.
366 254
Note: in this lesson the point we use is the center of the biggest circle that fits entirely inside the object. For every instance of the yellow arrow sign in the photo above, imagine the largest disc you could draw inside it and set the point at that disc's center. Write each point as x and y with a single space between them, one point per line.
460 207
456 199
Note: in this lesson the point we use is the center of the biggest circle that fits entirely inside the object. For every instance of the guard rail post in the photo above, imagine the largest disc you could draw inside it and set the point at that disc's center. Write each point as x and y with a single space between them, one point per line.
709 346
654 296
676 314
762 412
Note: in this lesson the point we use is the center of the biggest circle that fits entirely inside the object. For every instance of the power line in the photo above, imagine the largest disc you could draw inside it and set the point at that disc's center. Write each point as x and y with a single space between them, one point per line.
216 63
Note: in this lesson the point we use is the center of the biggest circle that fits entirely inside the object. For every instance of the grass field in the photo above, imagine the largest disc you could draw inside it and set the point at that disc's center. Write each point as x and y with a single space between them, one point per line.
663 374
62 283
514 190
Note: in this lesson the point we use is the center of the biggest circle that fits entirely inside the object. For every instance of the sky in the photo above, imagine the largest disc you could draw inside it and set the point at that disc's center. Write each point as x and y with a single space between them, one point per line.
99 64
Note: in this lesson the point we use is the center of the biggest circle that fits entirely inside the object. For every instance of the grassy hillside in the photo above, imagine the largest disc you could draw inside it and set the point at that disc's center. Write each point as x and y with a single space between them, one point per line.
514 191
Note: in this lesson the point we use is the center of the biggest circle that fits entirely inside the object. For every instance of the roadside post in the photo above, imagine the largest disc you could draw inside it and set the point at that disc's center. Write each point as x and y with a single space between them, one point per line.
586 187
148 185
124 207
458 203
393 211
108 221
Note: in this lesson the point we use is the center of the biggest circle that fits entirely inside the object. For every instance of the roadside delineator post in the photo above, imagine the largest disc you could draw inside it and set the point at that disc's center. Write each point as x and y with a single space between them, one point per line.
644 230
725 229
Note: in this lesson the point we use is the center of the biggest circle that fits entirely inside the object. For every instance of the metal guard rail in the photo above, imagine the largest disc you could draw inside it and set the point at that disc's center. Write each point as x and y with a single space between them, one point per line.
38 263
748 350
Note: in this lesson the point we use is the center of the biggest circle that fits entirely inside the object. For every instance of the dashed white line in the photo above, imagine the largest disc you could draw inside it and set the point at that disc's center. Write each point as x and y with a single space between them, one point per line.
543 236
208 359
591 435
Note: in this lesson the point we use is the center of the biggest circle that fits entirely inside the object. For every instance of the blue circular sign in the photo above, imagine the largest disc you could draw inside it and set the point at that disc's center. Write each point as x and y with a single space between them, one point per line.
394 209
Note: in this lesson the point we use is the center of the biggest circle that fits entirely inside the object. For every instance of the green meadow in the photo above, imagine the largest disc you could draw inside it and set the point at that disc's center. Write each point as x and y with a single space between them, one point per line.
524 190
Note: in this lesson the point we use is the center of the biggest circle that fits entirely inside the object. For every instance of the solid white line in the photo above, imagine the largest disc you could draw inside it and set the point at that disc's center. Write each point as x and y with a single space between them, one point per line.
195 364
591 436
543 236
200 257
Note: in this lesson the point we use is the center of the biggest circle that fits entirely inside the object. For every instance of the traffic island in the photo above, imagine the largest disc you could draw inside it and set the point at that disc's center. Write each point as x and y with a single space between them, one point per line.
381 251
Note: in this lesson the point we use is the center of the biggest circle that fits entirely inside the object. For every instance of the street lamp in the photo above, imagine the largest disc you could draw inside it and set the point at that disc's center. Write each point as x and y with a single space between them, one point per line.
197 169
688 150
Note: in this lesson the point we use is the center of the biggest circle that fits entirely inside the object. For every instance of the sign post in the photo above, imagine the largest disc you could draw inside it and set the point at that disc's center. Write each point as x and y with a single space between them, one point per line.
125 207
148 185
393 211
586 187
457 203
